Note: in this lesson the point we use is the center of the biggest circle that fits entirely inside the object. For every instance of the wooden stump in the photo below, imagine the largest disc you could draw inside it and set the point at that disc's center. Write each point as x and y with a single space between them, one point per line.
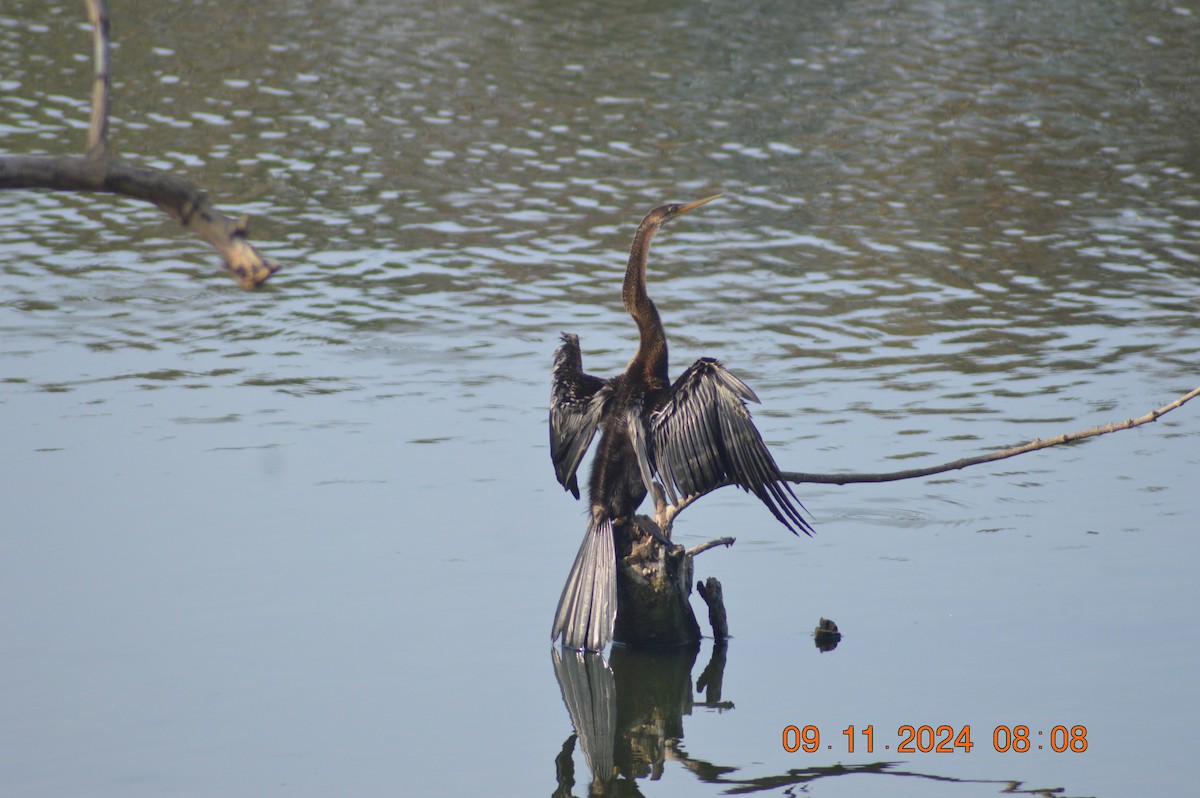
654 582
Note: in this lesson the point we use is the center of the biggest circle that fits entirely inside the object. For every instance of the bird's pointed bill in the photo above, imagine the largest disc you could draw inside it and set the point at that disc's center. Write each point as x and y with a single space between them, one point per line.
687 206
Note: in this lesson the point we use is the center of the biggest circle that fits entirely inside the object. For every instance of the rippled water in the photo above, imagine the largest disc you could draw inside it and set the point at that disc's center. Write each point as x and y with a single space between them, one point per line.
308 538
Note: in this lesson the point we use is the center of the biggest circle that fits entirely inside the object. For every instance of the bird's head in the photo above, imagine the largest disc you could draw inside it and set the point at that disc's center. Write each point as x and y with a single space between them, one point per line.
633 292
670 211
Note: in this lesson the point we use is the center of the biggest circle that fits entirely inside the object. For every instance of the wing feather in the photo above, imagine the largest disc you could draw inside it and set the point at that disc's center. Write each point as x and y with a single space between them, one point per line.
702 437
641 448
576 404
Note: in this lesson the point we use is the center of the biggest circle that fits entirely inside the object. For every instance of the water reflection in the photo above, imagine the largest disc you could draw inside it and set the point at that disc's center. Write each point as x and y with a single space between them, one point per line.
628 716
628 722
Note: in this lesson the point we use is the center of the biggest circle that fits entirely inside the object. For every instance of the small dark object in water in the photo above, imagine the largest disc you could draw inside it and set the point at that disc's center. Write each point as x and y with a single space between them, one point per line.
826 636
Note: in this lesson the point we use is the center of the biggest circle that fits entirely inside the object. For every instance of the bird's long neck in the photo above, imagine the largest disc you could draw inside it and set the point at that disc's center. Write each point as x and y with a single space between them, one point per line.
651 357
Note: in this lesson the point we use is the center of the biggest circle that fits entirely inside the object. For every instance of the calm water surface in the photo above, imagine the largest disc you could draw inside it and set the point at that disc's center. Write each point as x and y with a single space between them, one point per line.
307 540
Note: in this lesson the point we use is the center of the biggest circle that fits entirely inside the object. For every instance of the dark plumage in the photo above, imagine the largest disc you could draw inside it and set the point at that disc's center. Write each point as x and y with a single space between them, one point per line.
690 437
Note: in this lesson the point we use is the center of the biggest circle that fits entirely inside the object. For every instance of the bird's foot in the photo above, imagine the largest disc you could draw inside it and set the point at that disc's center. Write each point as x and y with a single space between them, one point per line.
665 516
660 498
664 511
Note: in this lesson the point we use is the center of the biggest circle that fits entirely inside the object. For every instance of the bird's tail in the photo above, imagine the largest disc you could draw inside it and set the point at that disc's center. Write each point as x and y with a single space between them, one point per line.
587 608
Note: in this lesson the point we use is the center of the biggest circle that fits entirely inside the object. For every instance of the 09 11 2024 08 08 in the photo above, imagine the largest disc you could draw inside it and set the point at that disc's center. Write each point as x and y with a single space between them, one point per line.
944 739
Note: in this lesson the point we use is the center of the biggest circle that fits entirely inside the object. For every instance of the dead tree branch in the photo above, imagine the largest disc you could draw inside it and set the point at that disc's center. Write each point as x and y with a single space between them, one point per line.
712 544
99 172
1034 445
98 128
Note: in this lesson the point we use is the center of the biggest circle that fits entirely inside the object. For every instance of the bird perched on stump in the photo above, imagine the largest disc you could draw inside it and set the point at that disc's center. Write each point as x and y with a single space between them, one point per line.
674 440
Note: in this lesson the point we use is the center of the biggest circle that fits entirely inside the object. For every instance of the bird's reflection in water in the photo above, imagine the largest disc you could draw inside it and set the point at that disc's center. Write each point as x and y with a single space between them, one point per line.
590 693
628 718
628 721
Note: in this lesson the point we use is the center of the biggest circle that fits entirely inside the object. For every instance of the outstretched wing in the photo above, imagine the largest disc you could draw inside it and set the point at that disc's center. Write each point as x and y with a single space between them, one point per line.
576 404
702 437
